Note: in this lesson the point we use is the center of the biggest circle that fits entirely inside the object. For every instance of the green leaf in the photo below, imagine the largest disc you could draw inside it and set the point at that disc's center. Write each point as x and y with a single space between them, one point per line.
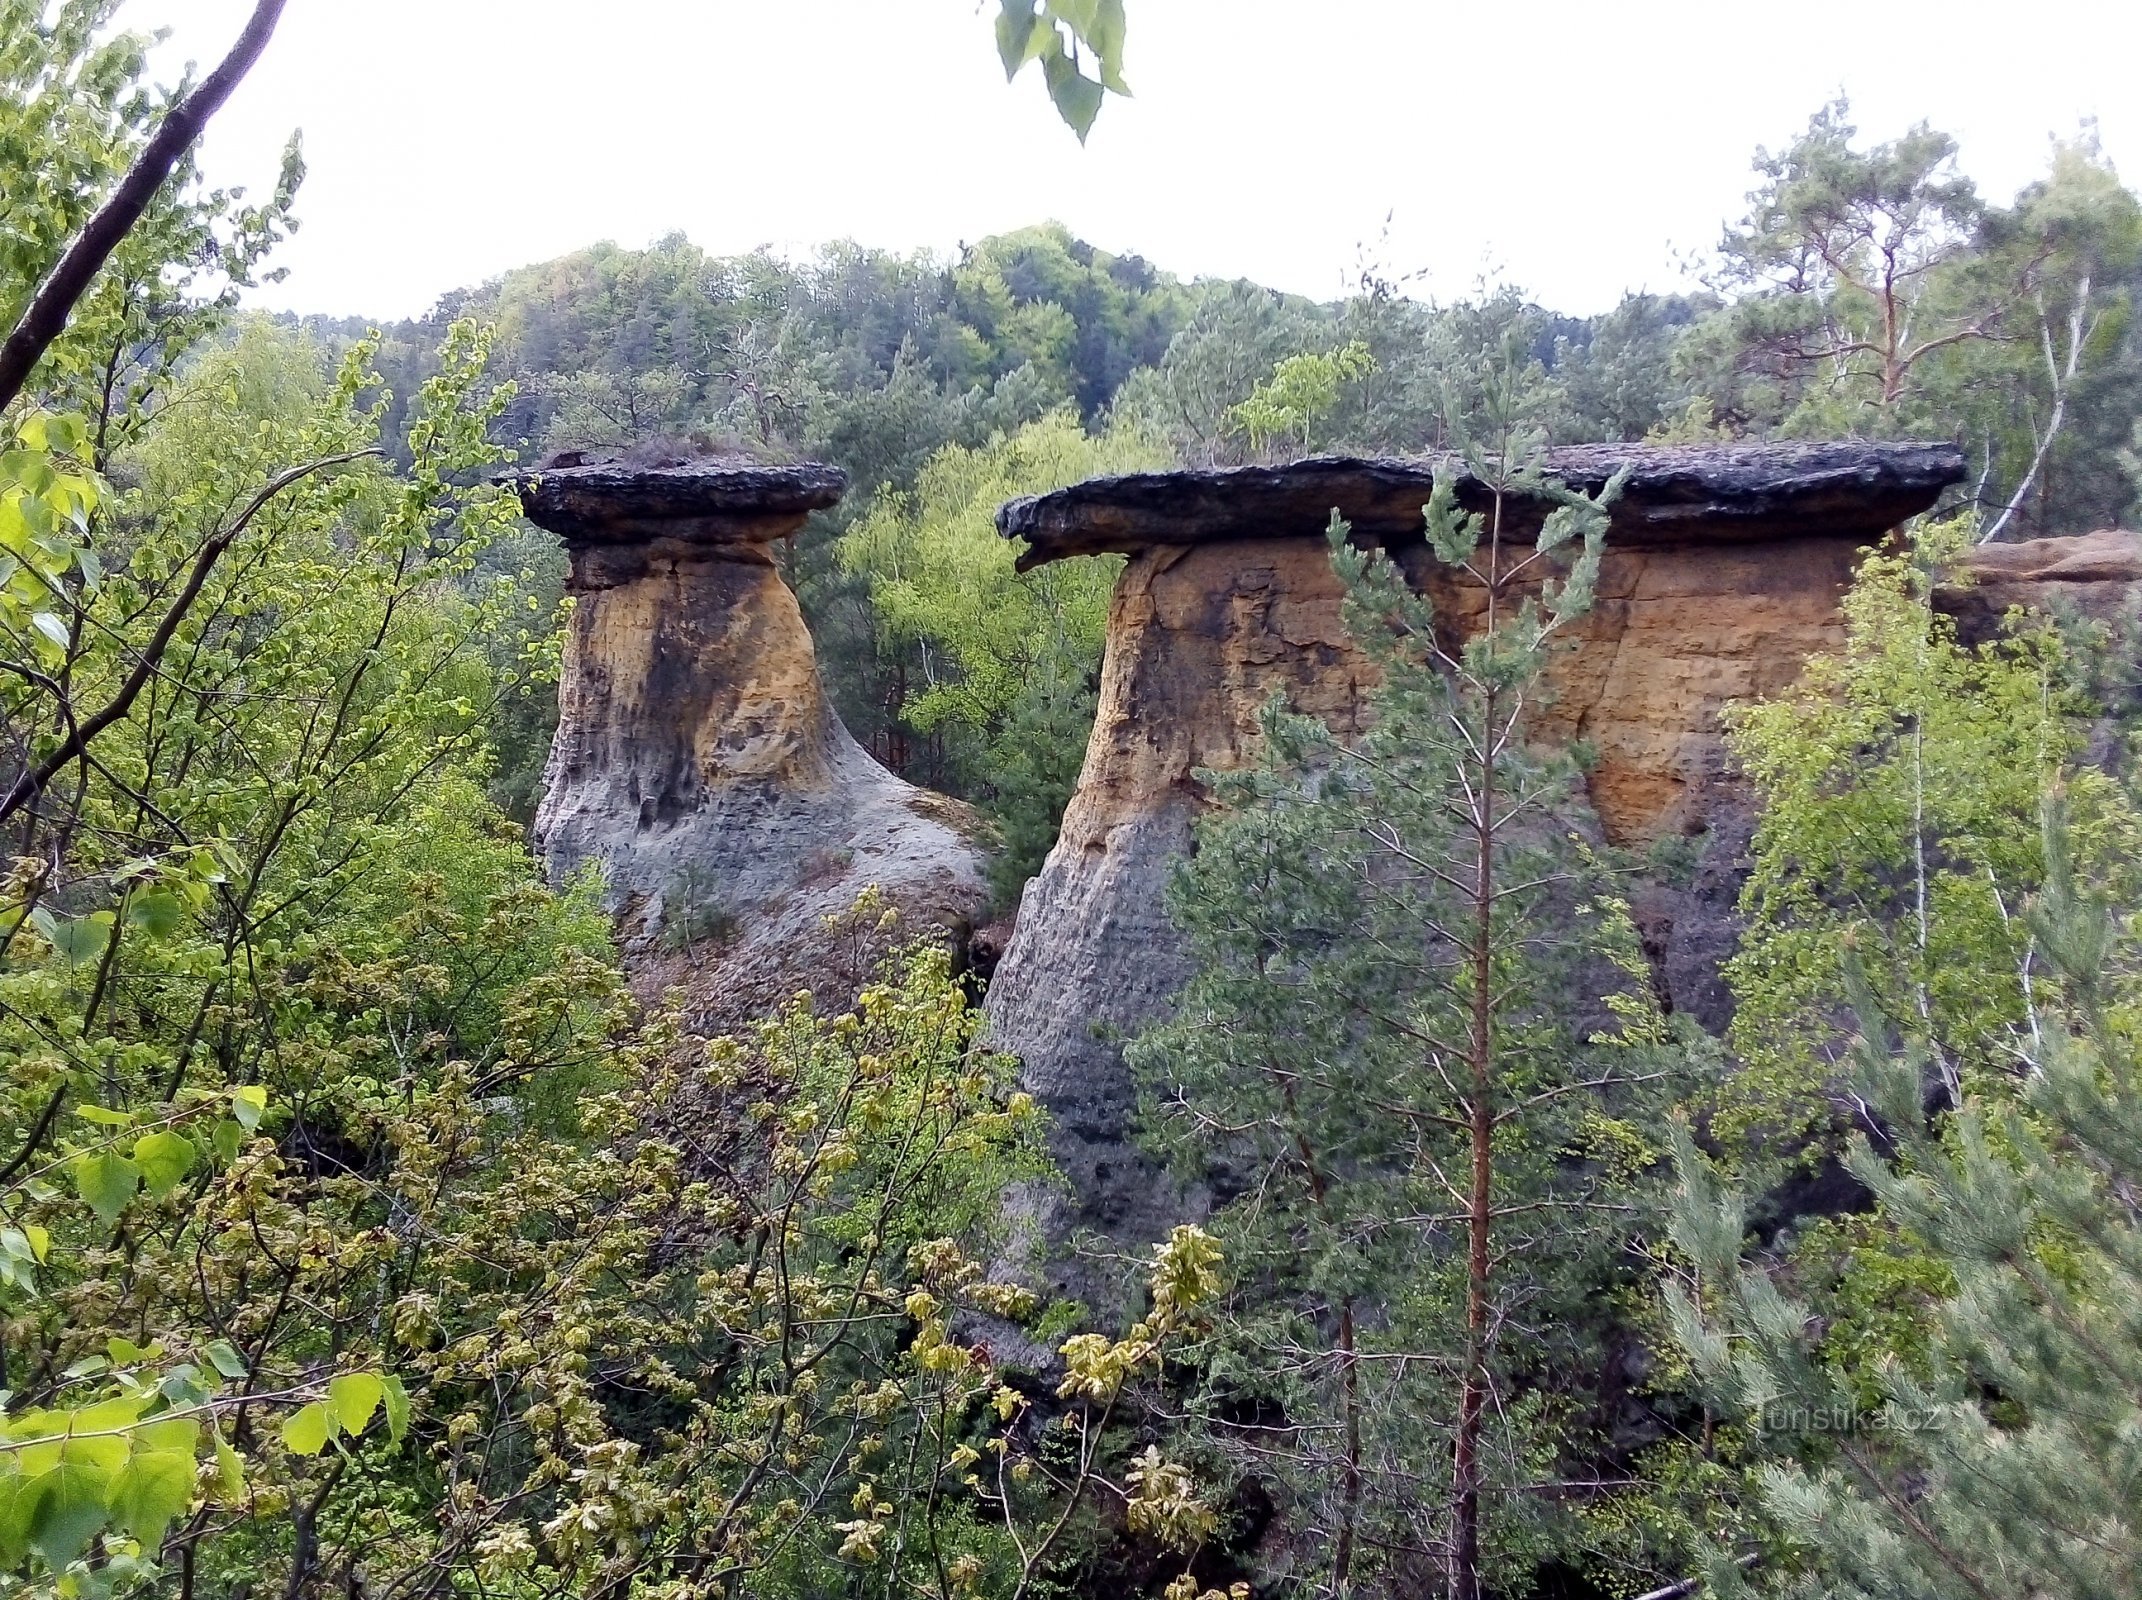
66 1508
46 623
153 1488
182 1434
1077 97
228 1136
355 1396
164 1158
15 1508
230 1473
397 1403
104 1116
224 1357
156 912
80 940
183 1385
1016 23
107 1180
1106 37
248 1101
307 1429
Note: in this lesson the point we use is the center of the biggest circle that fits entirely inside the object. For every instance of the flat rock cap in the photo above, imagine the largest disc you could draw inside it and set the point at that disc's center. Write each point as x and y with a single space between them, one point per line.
1675 494
585 498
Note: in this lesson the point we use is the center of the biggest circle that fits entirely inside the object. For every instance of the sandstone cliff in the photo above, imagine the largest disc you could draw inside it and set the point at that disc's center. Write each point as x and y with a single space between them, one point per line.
698 760
1724 572
2096 577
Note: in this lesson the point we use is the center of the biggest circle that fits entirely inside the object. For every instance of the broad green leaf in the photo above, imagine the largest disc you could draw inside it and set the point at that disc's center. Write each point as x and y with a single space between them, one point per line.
107 1181
1106 37
66 1508
15 1508
307 1429
224 1357
183 1385
1077 97
182 1434
104 1116
248 1101
228 1136
397 1403
153 1488
164 1158
156 912
80 940
1016 23
100 1433
355 1396
52 627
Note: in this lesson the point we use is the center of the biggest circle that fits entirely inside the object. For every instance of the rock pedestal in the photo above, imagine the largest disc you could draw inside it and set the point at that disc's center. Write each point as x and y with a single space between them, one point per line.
1724 570
698 760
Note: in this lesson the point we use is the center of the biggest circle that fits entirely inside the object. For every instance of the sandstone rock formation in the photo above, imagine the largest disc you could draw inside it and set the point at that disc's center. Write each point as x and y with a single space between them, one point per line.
1724 572
2097 576
697 758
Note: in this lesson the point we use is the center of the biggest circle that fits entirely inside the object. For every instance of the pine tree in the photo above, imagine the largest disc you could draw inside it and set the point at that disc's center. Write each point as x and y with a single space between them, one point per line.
1430 1163
2002 1459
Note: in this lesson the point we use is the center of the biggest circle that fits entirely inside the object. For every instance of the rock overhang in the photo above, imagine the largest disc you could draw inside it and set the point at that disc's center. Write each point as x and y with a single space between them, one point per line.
596 499
1675 494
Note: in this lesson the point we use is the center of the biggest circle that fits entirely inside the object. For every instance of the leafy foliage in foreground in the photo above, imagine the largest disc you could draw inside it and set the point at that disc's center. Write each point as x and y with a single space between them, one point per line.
1899 783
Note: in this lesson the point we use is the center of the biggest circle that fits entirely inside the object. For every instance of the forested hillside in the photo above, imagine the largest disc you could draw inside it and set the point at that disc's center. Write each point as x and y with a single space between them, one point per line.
381 1219
1870 291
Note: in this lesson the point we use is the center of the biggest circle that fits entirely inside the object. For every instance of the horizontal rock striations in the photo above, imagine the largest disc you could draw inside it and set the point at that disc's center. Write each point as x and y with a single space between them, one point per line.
1724 570
698 759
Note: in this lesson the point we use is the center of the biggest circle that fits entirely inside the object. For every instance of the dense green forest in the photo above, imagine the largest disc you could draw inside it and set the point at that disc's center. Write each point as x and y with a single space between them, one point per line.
363 1234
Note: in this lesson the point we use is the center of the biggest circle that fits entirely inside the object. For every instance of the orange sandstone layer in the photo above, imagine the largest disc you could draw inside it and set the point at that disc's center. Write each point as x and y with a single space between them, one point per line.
1724 571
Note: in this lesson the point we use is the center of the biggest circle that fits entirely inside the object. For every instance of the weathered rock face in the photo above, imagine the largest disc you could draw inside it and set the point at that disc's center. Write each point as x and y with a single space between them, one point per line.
2098 576
697 758
1724 572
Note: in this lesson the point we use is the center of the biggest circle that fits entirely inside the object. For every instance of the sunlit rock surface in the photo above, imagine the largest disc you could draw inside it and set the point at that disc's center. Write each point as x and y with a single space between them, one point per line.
1724 571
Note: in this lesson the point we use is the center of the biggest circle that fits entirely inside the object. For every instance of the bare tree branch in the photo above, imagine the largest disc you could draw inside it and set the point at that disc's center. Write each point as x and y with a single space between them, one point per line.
57 297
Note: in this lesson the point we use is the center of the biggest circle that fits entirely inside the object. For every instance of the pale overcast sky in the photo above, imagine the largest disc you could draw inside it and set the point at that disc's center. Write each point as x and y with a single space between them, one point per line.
1575 148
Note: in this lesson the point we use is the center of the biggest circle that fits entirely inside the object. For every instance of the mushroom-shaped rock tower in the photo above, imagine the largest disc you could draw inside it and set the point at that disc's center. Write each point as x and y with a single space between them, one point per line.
1724 570
698 759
